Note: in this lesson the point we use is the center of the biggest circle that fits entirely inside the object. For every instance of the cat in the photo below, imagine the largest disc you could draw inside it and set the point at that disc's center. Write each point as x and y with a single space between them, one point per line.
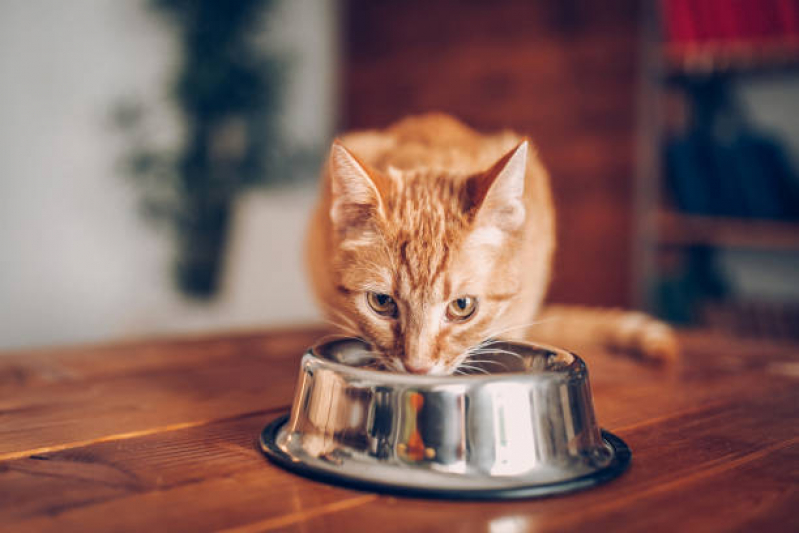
430 238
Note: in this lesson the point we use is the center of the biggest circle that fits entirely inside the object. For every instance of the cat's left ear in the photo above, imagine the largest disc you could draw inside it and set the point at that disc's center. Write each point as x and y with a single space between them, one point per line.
356 192
496 197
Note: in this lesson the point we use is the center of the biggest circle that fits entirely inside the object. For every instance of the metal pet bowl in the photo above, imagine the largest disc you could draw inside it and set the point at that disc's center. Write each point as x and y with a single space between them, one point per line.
525 428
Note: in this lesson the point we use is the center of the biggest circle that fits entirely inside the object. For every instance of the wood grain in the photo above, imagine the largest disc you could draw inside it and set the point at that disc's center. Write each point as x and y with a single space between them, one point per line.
161 435
57 400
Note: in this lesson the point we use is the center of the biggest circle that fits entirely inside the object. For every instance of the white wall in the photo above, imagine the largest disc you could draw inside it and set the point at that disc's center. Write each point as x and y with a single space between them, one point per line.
773 104
77 263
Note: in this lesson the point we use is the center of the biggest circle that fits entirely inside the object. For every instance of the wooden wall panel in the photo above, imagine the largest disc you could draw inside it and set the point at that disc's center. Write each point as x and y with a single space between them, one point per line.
563 72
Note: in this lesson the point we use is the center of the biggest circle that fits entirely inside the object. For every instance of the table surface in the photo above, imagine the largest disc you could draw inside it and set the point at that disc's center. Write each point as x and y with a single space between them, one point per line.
160 435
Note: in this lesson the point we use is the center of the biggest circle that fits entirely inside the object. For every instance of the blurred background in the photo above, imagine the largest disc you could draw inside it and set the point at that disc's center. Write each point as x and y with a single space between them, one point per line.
159 158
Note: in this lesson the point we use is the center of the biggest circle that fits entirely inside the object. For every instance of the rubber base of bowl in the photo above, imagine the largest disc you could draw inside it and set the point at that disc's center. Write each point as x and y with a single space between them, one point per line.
620 462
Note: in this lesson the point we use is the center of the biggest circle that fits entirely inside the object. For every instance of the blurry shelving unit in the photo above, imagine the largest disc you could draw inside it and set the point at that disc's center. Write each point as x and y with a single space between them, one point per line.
710 182
677 229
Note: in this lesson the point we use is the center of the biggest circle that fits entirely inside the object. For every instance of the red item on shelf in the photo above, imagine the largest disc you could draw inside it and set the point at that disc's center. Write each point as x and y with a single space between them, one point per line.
719 21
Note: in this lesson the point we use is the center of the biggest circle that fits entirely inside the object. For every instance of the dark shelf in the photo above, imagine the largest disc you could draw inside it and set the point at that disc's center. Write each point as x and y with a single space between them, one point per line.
678 229
741 58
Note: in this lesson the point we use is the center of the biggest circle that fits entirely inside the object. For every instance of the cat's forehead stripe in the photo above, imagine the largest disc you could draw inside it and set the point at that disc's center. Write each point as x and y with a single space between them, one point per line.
425 213
442 264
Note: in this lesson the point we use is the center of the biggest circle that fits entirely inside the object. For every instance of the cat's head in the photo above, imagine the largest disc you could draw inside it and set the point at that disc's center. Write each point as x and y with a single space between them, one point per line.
425 263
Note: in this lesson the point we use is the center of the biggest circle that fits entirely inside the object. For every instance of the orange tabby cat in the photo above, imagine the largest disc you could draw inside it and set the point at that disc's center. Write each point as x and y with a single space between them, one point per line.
430 239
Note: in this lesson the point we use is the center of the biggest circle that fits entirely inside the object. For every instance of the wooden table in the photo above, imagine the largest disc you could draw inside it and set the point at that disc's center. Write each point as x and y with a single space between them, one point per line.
160 436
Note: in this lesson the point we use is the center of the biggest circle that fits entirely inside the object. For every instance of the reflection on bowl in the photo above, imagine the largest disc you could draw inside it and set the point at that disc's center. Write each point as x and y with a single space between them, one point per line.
524 428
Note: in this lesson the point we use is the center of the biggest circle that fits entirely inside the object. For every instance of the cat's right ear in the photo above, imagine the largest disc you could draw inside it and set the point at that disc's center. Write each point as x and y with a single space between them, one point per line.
356 191
496 197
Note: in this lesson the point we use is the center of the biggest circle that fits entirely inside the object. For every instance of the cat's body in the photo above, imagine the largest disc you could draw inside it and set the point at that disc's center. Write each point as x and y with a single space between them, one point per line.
430 238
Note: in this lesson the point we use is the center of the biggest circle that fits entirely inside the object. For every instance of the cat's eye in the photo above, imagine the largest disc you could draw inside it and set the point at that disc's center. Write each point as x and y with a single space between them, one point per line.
382 304
462 308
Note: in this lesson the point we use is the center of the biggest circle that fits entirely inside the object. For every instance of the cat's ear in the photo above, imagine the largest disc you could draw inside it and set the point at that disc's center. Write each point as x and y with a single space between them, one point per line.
496 196
356 191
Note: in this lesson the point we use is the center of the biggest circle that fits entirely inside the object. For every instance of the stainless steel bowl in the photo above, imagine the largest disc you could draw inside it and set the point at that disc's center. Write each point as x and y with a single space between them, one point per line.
521 425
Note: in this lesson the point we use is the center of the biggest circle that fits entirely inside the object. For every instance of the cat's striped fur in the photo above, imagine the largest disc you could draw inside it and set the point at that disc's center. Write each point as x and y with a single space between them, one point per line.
429 210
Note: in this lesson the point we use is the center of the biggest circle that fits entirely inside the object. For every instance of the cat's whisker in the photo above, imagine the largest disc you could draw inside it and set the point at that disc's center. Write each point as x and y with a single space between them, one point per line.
491 350
472 359
482 364
339 325
463 355
345 325
340 318
498 351
474 368
339 335
489 345
339 315
344 328
492 335
487 362
335 337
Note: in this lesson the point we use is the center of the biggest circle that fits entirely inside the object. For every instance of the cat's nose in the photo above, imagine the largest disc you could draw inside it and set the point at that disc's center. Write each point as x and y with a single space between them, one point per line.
418 368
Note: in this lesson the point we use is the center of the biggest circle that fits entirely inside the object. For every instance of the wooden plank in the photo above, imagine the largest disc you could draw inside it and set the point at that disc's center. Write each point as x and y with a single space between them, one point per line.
108 470
753 493
115 392
28 369
212 505
200 478
116 408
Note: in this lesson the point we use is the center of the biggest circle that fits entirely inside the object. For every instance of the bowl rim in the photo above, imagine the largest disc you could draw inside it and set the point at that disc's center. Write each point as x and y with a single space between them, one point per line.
574 370
622 456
